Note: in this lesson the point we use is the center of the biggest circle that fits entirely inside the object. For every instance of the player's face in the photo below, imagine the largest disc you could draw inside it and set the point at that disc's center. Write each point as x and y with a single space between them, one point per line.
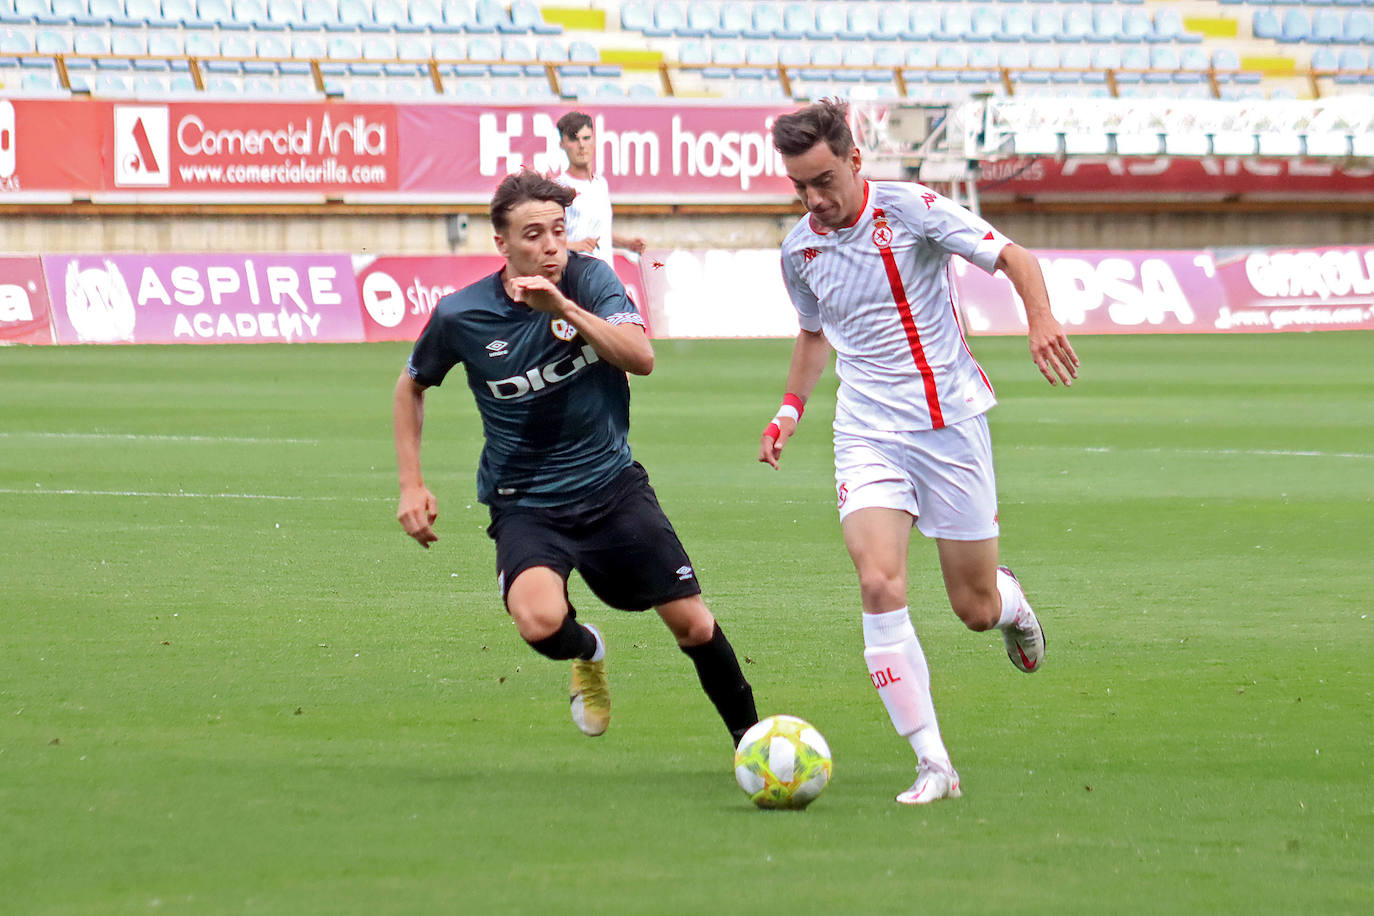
534 243
580 148
828 184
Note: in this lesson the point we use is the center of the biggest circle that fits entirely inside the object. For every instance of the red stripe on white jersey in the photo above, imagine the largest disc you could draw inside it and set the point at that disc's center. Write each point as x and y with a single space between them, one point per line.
913 337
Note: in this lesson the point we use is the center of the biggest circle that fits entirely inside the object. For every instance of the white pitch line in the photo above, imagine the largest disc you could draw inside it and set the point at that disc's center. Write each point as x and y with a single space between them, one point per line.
155 438
1227 452
181 494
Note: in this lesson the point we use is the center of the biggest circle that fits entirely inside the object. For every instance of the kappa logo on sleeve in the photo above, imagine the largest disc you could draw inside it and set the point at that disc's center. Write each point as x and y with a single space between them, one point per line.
810 254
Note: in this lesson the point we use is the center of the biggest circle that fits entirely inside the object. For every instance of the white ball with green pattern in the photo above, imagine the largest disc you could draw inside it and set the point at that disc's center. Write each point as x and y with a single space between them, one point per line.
782 762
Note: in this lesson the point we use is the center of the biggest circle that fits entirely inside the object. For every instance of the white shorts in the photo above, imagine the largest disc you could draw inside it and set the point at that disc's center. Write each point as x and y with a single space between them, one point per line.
942 477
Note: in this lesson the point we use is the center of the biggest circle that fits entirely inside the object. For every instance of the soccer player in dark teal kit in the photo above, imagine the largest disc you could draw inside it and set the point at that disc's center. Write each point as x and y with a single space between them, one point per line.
546 343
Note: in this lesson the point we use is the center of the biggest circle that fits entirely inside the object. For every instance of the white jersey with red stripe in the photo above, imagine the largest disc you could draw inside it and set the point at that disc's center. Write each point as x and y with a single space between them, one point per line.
881 289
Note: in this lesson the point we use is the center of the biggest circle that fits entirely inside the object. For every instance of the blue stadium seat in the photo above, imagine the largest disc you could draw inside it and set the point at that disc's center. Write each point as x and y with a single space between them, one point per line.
1136 25
984 24
526 17
1075 59
1077 24
127 43
699 20
984 58
459 15
735 21
426 16
60 12
387 15
766 21
87 41
727 55
23 12
285 14
213 13
248 14
1358 27
1046 24
948 56
1168 26
955 24
495 15
111 12
830 23
1327 27
922 23
1164 63
1134 58
273 46
670 18
894 22
636 15
1016 24
862 25
235 44
797 21
200 44
1295 26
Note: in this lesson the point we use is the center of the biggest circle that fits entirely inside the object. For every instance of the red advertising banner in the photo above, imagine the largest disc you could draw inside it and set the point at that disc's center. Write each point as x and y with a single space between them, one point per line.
1143 178
399 294
49 150
229 298
1296 290
25 316
213 149
648 153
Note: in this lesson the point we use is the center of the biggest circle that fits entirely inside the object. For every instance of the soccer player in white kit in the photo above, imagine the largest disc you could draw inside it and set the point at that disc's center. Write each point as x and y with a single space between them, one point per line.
589 226
868 270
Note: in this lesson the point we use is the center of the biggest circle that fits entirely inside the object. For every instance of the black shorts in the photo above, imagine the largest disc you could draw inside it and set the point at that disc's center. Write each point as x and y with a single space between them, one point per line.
617 538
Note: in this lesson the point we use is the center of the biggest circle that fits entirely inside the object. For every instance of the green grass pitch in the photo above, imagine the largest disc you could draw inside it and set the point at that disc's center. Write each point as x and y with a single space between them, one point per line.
230 684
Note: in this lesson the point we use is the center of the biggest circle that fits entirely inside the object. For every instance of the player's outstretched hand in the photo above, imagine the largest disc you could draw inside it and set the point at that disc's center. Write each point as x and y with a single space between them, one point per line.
774 438
417 513
539 293
1053 354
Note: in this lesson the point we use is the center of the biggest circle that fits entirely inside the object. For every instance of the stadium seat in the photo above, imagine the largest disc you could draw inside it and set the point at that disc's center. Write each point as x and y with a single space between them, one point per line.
670 18
735 21
459 15
1046 24
636 15
923 22
984 25
114 13
956 22
213 13
765 21
249 14
425 16
201 45
1358 27
127 43
894 22
236 45
1164 63
518 48
87 41
951 58
699 20
1077 24
829 23
861 24
1076 61
1134 59
273 47
858 58
1136 26
495 15
1294 27
727 56
285 14
526 17
60 12
1168 26
1016 25
797 21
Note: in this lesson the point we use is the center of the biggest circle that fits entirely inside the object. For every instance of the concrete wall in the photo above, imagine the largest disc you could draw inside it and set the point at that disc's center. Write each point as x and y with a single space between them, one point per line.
425 233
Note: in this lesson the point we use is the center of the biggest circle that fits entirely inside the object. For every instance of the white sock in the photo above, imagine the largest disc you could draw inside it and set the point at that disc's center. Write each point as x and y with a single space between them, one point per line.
1012 596
897 666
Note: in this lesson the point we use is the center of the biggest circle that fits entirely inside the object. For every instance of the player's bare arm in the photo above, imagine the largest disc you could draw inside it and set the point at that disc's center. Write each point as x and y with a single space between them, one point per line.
632 242
418 509
1049 344
586 246
810 356
624 346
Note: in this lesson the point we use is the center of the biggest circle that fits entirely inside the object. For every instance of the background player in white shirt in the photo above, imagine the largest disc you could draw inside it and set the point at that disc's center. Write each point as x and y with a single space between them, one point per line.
589 215
868 271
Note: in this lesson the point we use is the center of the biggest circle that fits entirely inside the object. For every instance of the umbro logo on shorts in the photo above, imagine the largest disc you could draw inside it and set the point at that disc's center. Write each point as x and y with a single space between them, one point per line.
684 573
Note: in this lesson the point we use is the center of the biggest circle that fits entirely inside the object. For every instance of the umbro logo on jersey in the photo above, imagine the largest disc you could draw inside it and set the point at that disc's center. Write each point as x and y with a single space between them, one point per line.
684 573
498 348
809 254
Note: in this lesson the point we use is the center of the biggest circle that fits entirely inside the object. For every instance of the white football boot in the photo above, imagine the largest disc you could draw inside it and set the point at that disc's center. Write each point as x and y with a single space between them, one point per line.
934 781
1025 639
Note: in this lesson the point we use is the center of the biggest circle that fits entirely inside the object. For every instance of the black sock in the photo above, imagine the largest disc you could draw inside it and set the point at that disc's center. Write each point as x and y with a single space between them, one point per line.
571 640
721 678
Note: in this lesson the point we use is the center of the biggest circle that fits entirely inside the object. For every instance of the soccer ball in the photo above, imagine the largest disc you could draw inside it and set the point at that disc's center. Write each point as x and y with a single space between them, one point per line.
782 762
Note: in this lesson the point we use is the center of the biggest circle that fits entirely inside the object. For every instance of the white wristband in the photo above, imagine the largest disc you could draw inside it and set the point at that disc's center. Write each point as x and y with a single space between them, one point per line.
787 410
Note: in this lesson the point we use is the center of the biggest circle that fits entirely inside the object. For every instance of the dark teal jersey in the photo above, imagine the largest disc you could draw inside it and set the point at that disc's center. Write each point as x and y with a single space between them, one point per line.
554 414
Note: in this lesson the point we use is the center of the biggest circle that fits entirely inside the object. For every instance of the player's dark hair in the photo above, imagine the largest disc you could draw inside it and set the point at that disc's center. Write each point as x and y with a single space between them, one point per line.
521 187
828 120
572 122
